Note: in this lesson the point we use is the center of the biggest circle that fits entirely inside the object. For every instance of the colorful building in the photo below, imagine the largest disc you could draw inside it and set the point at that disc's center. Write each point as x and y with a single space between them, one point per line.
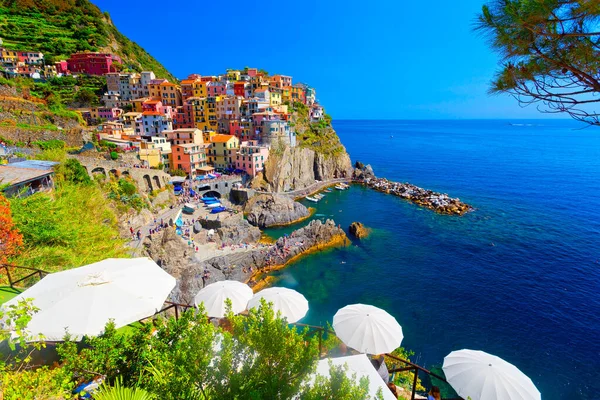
170 94
298 94
154 123
251 157
223 150
216 88
190 158
280 81
242 129
277 133
228 108
31 57
93 63
183 136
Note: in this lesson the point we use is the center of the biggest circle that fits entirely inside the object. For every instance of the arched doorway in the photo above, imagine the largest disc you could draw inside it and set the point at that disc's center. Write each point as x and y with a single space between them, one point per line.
156 181
99 170
148 183
212 193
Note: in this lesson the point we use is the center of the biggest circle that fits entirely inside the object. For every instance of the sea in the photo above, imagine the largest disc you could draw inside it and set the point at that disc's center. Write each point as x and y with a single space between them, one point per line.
519 277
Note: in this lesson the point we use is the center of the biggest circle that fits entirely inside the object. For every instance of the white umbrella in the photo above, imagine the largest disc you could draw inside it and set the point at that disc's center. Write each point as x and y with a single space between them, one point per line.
367 329
82 300
290 303
214 295
484 376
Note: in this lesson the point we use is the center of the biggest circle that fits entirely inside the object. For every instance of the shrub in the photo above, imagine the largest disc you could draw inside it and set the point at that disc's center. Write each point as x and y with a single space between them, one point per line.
114 155
72 171
178 172
52 144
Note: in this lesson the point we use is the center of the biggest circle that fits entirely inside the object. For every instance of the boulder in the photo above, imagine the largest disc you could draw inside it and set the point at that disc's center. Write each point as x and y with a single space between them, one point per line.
265 210
358 230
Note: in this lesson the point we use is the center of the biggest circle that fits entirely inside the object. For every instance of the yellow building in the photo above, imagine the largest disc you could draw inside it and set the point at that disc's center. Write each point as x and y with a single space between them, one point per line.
193 88
286 94
275 97
210 112
149 154
170 94
223 151
154 89
9 56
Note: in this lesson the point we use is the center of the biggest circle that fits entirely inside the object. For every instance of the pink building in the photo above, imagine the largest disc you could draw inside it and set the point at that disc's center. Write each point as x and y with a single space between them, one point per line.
216 89
93 63
251 157
62 67
242 129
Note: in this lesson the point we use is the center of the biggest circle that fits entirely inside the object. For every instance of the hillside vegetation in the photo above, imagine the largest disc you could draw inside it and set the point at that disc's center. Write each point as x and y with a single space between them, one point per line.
59 28
318 136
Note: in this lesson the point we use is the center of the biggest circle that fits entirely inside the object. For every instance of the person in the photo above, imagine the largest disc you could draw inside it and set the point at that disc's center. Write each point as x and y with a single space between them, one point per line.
434 393
394 389
379 364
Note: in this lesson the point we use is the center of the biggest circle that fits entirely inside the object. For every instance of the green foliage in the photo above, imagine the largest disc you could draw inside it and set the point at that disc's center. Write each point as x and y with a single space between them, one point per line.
178 172
550 53
338 387
124 191
70 227
114 155
119 392
73 172
52 144
60 28
58 155
41 383
254 357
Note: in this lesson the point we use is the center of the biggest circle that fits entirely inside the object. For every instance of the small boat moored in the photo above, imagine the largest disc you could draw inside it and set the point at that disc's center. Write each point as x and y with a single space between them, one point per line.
213 205
314 200
189 208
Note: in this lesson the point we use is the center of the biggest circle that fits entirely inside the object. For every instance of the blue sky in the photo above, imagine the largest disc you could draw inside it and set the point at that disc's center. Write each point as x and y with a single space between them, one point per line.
368 60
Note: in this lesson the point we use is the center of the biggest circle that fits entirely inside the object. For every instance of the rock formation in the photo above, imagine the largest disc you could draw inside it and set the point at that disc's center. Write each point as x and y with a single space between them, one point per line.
362 171
241 265
266 210
358 230
298 168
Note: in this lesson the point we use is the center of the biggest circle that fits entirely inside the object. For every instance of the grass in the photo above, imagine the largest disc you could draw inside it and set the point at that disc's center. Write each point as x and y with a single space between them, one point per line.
73 226
59 28
7 293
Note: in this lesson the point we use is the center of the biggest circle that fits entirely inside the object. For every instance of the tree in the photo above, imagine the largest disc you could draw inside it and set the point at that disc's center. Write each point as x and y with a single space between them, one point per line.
72 171
10 237
550 51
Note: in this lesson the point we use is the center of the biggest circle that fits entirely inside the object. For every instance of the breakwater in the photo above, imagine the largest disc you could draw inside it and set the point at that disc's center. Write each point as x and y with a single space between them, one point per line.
438 202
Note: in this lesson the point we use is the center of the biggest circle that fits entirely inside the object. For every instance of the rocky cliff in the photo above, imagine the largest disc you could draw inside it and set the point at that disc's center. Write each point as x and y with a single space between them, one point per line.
266 210
319 155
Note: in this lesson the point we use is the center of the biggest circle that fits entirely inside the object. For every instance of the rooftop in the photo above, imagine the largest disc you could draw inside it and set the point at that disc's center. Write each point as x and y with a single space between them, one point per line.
221 138
9 174
35 164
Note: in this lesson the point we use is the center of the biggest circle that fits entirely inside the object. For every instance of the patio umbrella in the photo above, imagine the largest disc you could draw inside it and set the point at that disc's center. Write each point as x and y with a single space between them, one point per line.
82 300
367 329
214 295
290 303
480 375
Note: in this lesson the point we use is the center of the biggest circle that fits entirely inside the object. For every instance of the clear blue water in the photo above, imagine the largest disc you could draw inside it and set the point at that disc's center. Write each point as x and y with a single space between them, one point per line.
518 278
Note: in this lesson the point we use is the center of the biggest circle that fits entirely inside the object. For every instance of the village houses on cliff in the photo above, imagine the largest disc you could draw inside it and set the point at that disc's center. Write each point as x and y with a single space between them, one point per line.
227 122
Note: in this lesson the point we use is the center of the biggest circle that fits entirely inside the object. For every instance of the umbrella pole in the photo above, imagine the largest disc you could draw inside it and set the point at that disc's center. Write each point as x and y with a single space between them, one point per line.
414 388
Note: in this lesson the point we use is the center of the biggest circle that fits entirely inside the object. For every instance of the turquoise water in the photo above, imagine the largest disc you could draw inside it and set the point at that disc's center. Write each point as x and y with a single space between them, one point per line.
519 277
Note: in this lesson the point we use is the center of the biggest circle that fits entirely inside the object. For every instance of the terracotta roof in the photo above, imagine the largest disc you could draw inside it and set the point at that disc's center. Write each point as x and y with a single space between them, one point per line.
151 113
168 84
221 138
152 101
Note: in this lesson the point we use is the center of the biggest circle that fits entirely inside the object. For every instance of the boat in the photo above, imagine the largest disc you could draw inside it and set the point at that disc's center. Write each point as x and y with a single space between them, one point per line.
328 190
211 201
314 200
208 198
213 205
217 210
339 187
318 196
189 208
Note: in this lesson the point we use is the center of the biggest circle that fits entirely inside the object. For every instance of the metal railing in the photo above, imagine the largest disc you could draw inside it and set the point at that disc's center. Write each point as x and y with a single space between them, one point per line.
14 279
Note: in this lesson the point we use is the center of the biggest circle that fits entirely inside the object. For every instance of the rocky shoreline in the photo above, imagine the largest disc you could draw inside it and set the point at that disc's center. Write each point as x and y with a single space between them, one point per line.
438 202
250 264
